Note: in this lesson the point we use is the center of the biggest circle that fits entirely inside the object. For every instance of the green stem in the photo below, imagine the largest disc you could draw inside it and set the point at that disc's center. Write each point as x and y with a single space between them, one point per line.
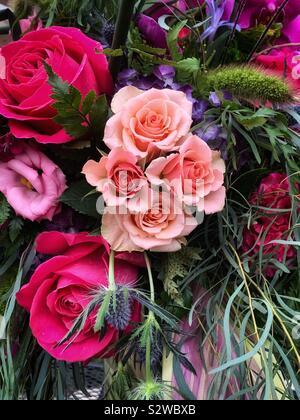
151 282
111 272
122 28
149 376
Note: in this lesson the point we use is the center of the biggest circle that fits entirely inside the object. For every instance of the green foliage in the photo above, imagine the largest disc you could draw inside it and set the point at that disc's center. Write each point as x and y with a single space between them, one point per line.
249 83
5 209
176 266
15 228
81 13
80 197
172 40
78 117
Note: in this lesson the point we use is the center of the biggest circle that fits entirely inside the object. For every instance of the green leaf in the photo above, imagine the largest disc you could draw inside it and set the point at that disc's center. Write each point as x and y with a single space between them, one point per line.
88 102
4 209
98 116
15 228
100 320
172 40
187 70
79 198
251 122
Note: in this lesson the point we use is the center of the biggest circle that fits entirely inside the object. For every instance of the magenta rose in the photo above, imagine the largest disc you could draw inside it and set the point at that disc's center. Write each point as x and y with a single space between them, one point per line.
24 89
271 225
285 62
32 184
62 287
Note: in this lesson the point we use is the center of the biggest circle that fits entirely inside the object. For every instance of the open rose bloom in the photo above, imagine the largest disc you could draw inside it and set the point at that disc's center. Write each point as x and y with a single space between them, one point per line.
272 224
25 94
158 177
62 287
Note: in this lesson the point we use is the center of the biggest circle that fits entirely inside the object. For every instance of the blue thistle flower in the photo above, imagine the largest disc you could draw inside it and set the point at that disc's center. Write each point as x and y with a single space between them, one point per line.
120 310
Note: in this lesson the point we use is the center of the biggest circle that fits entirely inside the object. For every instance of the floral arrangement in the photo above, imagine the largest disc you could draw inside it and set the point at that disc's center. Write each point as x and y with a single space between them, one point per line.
149 199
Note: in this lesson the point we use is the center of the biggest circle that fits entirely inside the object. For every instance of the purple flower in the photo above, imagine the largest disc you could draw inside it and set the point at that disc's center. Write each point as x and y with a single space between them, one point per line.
199 108
215 100
165 74
215 136
152 32
217 14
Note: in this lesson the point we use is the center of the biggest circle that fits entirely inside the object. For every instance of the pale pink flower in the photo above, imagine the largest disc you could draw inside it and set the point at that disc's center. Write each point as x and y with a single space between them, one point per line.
121 181
202 171
148 123
32 184
195 174
163 228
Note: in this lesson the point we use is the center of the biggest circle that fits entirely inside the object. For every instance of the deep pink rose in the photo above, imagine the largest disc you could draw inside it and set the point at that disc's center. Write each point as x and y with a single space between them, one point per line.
119 178
271 225
24 88
63 286
261 11
32 184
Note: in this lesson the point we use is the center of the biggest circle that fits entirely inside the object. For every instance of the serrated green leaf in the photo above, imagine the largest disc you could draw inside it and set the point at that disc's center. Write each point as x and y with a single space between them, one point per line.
15 228
187 69
98 116
88 102
172 40
4 209
78 197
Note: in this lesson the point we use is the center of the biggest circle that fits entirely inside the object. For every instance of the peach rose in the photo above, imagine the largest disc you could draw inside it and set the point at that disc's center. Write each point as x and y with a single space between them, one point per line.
202 172
148 123
195 174
119 179
161 229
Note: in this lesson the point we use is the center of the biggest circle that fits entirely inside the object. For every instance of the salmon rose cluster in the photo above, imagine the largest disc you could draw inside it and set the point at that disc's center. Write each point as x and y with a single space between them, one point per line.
158 177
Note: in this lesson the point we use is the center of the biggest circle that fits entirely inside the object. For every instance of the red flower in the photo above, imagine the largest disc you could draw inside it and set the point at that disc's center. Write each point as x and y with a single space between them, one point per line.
24 88
62 287
273 194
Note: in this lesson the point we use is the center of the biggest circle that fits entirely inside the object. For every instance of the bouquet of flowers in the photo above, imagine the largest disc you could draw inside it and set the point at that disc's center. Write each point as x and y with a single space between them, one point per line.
149 199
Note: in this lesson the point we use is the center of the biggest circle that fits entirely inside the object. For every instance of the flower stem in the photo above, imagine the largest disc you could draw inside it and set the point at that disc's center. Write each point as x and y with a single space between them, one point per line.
151 282
111 272
125 13
149 376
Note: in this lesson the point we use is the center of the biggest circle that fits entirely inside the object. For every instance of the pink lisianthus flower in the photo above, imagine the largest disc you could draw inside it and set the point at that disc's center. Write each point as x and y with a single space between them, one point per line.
25 94
148 123
121 181
196 174
32 184
271 225
162 228
62 287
